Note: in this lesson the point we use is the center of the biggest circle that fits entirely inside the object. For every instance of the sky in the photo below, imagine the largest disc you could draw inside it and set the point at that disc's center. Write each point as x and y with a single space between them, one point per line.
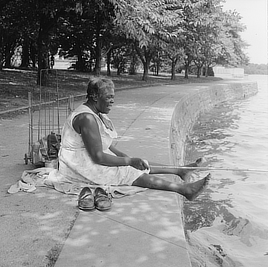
254 17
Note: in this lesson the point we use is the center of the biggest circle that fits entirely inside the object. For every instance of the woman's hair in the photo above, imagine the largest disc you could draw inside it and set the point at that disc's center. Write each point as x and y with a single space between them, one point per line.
97 85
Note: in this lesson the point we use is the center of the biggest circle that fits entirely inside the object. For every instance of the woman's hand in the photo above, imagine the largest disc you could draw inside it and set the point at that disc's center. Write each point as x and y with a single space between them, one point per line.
139 164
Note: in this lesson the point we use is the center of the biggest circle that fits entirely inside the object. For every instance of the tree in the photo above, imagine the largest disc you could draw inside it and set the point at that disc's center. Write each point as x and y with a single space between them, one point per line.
9 31
117 50
75 39
37 23
206 32
175 55
196 32
86 33
231 43
102 15
256 69
145 53
119 59
47 14
211 36
134 60
147 23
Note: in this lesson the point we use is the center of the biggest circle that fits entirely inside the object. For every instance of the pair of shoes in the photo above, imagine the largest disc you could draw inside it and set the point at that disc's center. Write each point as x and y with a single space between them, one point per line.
101 200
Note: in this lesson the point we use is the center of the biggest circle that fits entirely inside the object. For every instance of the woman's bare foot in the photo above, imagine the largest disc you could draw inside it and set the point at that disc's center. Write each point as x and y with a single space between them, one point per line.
184 172
192 190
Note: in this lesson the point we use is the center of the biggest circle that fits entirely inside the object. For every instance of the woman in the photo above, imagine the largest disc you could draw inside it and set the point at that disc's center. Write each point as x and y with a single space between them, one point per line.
87 154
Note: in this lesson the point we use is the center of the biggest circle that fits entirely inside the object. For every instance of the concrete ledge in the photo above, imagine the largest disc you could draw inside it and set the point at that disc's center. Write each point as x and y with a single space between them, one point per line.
146 229
192 105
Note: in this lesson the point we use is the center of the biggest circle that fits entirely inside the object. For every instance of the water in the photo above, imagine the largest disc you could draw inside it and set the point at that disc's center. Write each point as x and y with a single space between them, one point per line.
228 224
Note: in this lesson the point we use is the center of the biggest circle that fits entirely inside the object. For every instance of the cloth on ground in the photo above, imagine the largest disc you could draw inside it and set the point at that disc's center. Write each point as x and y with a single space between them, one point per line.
50 177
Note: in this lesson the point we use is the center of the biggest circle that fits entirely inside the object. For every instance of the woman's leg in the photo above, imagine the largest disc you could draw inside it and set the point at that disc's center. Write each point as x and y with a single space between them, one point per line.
155 168
188 190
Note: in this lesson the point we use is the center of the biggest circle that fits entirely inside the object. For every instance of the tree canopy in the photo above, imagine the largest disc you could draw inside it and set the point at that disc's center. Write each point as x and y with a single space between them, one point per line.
188 34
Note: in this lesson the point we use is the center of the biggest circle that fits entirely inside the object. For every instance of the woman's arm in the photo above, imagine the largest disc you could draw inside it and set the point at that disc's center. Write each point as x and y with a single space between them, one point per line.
86 125
117 152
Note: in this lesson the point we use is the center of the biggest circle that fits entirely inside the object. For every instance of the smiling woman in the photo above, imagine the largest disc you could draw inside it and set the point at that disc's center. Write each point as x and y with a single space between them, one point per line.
87 152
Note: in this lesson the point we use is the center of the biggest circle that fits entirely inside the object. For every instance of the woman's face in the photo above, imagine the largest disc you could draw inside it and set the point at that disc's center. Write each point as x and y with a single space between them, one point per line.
105 100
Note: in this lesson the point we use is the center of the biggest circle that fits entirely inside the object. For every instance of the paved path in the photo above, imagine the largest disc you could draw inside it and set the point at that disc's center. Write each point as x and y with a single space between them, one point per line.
141 230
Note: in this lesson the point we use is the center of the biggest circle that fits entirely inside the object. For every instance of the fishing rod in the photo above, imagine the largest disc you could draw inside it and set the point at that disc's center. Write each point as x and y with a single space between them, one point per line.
210 168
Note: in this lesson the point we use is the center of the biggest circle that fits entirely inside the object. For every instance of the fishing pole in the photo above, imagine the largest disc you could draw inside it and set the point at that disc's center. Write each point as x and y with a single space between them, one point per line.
209 168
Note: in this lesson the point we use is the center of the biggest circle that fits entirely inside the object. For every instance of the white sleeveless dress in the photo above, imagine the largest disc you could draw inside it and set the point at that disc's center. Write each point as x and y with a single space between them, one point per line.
75 163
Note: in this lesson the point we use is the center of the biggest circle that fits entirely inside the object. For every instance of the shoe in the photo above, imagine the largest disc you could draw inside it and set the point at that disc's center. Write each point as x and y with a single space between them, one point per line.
102 200
86 199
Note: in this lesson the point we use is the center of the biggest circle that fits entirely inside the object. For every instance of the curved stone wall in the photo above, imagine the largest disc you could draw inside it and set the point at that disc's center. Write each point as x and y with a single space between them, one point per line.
191 106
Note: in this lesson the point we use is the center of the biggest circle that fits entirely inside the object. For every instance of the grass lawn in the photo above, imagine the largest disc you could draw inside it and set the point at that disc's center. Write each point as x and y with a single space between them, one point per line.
15 84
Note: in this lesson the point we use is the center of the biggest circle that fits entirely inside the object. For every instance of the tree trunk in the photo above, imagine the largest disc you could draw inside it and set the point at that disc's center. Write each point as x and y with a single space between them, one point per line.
118 70
206 70
134 60
109 62
25 57
97 69
80 66
4 59
145 71
1 63
8 55
133 64
186 74
145 57
157 67
43 58
90 66
33 54
46 24
173 69
198 71
80 63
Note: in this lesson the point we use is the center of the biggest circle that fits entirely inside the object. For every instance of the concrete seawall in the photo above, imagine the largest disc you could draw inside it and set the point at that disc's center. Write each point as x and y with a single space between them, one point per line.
190 106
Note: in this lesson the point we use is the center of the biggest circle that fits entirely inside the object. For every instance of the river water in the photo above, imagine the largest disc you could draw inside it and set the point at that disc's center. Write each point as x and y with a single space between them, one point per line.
228 224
